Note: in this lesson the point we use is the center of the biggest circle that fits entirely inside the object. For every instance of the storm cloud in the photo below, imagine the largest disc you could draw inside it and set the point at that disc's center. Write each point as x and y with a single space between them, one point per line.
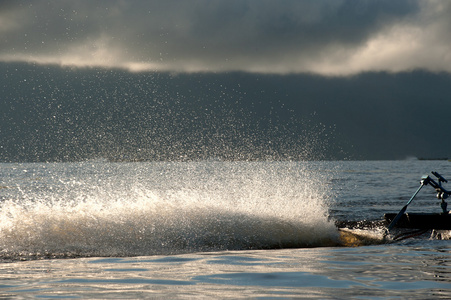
323 37
51 113
238 80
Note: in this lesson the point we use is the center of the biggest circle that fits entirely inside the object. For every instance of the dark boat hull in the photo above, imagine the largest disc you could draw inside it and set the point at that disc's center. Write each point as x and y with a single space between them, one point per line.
421 221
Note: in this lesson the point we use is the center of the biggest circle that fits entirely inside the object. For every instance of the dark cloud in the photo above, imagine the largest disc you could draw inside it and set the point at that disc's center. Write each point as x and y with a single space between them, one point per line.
230 79
52 113
326 37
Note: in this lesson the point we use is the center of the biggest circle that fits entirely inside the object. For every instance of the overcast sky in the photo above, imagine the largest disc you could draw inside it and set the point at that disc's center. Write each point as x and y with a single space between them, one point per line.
239 79
329 37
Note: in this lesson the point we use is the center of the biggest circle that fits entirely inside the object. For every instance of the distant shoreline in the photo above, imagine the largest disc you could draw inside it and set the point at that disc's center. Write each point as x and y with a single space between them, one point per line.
423 158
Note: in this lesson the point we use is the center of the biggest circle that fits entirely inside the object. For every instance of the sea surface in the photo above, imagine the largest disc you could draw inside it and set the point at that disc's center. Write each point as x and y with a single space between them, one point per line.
214 229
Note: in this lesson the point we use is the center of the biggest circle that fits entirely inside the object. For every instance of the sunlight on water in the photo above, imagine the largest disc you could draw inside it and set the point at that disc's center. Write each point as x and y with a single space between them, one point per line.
141 209
163 208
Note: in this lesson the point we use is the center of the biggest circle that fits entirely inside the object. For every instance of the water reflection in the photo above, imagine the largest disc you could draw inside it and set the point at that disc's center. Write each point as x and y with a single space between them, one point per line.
407 270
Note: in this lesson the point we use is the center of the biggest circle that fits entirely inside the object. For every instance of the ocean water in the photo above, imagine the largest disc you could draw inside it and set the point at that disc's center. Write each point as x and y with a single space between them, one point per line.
215 229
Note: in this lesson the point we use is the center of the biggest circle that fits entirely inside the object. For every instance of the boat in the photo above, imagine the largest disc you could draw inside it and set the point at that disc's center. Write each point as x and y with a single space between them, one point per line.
437 221
399 226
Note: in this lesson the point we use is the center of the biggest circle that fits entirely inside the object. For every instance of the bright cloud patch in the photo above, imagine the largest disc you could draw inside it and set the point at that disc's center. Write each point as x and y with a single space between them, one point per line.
322 37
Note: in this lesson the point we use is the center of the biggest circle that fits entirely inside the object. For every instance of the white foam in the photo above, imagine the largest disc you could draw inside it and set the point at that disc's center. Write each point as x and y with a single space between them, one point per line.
256 209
